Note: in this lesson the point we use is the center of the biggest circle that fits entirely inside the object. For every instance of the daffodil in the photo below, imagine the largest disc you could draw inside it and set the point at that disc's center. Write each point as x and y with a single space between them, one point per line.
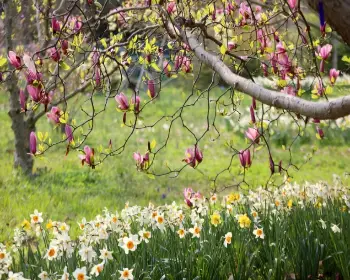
44 276
213 198
105 254
36 217
129 243
323 224
335 228
181 232
80 274
126 274
259 233
244 221
215 219
51 253
145 235
97 269
26 225
228 239
65 275
196 231
87 253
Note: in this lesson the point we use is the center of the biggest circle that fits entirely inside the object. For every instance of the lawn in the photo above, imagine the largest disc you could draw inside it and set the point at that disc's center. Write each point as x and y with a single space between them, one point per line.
69 191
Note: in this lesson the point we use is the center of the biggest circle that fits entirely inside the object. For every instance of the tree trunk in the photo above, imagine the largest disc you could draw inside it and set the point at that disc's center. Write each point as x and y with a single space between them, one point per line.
337 15
21 128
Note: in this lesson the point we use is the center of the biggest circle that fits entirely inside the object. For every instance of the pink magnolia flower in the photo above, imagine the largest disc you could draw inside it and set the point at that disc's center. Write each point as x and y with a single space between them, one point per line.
262 38
244 10
320 132
64 45
324 52
171 8
231 45
166 68
292 4
54 114
253 135
122 101
151 89
69 133
55 24
14 60
186 65
198 154
32 143
190 157
77 24
31 77
252 114
23 100
54 54
193 156
95 57
190 196
319 88
188 202
178 62
136 101
284 61
245 159
254 103
280 48
88 156
29 63
265 69
333 75
46 99
97 75
188 192
35 93
142 161
290 90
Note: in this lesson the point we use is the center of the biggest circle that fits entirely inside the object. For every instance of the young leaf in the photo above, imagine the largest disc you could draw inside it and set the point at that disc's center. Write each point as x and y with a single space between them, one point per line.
64 66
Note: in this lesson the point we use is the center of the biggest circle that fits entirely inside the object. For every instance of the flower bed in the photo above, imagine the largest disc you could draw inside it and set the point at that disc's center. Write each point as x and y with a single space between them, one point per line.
295 232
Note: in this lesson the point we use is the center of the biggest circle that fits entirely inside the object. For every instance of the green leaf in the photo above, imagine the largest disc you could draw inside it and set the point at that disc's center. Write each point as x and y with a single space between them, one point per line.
153 144
346 59
98 5
3 61
64 66
104 43
223 49
155 67
151 176
329 90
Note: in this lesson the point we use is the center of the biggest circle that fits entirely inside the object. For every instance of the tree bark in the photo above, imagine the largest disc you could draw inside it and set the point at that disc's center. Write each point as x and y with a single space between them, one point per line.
21 127
337 13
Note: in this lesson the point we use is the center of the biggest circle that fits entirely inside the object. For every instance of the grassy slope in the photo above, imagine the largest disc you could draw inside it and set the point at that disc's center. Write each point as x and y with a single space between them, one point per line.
68 191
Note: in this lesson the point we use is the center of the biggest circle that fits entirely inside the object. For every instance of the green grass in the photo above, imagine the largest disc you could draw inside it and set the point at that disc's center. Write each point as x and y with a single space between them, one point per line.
69 191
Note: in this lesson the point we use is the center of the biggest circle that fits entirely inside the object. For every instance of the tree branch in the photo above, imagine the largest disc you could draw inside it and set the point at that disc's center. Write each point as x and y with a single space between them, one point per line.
322 110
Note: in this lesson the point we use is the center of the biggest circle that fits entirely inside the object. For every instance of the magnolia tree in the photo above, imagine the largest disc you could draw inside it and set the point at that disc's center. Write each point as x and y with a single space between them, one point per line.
169 38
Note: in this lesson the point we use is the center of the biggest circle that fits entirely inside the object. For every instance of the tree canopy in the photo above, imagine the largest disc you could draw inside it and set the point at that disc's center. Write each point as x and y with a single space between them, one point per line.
88 48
